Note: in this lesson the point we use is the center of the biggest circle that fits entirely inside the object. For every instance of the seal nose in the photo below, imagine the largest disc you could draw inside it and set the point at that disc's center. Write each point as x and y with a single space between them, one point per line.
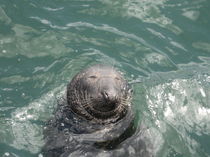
109 96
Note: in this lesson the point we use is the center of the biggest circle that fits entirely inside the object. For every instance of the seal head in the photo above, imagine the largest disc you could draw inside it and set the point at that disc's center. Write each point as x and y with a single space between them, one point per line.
99 93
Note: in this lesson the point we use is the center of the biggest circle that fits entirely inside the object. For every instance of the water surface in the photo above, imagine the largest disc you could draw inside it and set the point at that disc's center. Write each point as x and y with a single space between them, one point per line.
165 44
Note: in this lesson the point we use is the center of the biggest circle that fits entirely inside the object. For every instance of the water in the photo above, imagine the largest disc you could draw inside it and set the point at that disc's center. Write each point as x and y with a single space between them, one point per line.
165 44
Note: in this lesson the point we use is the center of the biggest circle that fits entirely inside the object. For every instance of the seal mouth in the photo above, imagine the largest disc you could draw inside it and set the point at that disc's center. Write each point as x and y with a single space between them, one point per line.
105 106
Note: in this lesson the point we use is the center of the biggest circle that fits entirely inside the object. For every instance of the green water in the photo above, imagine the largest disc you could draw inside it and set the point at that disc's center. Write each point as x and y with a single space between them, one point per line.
163 43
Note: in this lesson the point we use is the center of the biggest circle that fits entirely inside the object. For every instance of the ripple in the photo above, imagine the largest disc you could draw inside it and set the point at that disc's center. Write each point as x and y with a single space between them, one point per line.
3 17
192 15
53 9
202 46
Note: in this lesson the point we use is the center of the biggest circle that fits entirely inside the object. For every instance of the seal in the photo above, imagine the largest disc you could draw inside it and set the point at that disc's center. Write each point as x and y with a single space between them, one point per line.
100 94
95 114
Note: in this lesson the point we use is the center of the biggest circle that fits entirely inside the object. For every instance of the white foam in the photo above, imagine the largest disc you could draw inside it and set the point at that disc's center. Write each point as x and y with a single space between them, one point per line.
202 92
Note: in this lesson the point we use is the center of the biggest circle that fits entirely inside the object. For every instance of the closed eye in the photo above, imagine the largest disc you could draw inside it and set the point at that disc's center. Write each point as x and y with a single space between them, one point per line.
117 78
93 76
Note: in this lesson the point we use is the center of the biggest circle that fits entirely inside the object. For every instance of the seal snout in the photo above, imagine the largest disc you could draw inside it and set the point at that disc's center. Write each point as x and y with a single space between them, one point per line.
109 97
109 101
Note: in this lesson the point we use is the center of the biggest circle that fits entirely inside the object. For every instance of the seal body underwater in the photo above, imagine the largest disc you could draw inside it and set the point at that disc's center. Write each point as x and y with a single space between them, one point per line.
95 115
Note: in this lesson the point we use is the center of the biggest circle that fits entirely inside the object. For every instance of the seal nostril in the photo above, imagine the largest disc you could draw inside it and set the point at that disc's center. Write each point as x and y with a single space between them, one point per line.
105 95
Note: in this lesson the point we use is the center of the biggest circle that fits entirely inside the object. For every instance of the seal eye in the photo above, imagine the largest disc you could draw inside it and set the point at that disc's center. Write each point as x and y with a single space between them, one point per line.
93 76
117 78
